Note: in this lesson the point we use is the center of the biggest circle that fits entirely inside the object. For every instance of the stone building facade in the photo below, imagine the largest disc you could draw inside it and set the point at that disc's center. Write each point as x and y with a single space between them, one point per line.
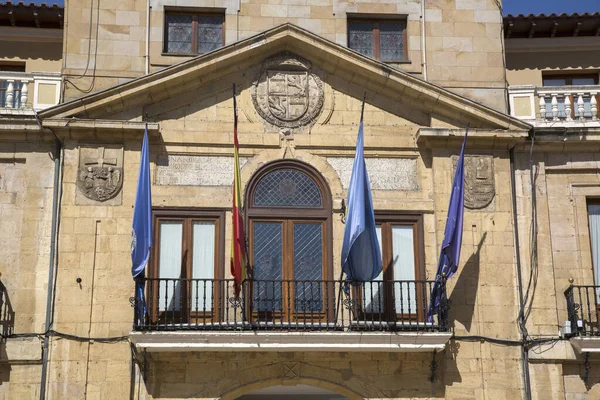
67 187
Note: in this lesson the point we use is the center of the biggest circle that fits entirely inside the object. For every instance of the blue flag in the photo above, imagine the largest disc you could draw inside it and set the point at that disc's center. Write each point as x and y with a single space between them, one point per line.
361 257
141 234
450 253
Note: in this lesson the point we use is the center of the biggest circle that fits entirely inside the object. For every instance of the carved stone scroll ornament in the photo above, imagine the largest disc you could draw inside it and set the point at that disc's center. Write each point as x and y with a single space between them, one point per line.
100 176
479 181
287 94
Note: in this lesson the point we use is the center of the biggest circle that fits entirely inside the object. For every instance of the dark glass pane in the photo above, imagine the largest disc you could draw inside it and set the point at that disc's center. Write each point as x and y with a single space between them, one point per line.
308 266
360 37
268 254
583 81
554 82
210 33
391 41
179 34
287 188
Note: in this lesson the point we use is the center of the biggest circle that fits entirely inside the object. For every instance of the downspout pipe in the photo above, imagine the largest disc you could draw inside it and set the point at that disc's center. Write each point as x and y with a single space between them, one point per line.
51 267
423 48
147 61
524 350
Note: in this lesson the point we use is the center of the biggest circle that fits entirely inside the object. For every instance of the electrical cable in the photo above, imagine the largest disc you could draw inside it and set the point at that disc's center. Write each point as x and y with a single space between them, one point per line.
93 82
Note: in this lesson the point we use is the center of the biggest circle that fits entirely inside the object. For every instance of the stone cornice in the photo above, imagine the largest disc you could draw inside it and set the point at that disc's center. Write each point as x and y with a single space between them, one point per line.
375 76
478 138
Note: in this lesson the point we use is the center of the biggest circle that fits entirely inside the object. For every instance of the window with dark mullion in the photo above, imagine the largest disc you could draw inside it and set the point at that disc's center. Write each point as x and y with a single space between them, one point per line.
193 33
383 40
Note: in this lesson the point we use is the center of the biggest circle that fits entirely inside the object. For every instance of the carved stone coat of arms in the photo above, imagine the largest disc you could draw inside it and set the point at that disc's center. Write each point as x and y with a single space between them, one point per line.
479 181
100 173
287 94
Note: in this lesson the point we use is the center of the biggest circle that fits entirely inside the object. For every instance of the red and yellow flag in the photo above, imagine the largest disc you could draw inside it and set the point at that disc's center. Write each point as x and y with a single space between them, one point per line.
238 239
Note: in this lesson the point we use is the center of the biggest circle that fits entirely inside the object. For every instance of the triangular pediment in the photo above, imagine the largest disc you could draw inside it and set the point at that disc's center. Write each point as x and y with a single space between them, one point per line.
194 88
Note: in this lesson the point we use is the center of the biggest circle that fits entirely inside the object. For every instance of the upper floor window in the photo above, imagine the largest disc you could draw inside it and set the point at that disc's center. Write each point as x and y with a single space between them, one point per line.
570 80
193 33
381 39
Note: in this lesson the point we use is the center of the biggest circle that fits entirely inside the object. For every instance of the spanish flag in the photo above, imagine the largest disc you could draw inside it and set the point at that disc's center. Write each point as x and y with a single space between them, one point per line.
238 239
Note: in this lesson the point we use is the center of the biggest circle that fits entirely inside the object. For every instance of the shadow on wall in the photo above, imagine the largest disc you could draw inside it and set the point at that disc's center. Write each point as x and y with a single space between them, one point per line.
7 325
232 376
462 308
7 315
552 60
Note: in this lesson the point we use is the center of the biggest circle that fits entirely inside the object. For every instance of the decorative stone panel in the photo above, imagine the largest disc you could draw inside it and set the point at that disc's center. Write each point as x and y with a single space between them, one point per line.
287 94
195 170
384 173
479 181
99 175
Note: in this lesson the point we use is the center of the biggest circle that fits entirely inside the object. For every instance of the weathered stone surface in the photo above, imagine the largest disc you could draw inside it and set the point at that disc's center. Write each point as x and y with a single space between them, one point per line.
100 175
287 94
384 173
192 170
20 350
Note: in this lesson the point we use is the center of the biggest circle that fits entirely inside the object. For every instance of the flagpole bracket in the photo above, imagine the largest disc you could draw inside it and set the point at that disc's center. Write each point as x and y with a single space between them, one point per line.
343 211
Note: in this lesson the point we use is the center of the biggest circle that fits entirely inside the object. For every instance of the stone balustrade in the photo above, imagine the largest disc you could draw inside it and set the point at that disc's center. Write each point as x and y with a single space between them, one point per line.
19 90
566 105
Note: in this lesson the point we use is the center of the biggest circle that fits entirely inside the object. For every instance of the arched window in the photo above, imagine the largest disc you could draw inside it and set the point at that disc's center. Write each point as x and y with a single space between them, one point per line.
289 230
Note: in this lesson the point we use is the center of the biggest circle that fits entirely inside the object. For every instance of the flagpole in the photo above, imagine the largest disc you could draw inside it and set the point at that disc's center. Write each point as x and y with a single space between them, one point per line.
443 273
337 308
249 273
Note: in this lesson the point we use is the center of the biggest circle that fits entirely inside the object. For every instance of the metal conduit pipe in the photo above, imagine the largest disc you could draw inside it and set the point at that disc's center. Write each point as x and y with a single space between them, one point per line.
524 350
51 267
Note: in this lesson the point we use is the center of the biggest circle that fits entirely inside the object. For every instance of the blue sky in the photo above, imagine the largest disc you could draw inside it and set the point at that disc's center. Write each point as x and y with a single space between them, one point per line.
517 6
550 6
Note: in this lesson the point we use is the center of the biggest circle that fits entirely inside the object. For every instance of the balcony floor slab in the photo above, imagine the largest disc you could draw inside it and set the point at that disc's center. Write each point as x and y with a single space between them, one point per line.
586 344
291 341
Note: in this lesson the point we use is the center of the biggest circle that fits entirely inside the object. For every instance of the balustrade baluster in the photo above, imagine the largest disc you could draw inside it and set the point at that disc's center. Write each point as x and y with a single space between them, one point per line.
554 104
542 106
580 106
568 107
10 93
594 106
24 92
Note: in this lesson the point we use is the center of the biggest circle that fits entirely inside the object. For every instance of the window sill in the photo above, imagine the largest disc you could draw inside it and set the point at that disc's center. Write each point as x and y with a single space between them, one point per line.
180 54
396 62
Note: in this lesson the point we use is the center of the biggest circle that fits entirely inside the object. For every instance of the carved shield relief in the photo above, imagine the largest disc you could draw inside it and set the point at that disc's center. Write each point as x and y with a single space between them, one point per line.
479 181
287 91
287 94
100 175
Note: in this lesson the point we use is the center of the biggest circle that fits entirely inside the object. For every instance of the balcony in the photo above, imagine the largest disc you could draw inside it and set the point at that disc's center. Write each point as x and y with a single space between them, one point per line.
556 106
288 315
20 92
582 326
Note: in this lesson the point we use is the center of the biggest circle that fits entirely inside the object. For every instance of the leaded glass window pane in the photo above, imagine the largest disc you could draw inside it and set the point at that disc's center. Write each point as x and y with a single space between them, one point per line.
360 37
268 259
391 41
179 33
210 33
308 267
287 187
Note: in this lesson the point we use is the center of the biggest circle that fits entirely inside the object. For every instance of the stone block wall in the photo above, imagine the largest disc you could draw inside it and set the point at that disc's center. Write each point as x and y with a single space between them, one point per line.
463 41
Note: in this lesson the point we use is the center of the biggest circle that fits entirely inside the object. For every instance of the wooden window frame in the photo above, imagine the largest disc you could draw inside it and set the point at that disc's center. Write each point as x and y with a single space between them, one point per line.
592 201
188 217
569 78
376 35
289 216
194 16
387 220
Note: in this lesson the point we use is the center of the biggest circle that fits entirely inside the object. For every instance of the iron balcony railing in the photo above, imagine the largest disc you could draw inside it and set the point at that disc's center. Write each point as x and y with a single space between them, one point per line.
287 305
582 309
